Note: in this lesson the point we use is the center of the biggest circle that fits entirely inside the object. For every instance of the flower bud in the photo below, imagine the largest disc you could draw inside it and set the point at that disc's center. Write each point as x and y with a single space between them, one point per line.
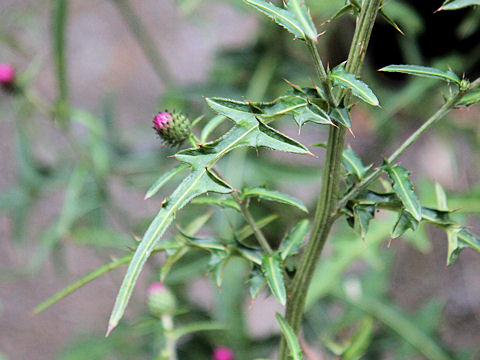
223 353
161 301
173 128
7 77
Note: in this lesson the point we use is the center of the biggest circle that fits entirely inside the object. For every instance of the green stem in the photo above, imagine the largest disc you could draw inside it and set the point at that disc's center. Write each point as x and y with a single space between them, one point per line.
449 105
327 202
168 352
251 222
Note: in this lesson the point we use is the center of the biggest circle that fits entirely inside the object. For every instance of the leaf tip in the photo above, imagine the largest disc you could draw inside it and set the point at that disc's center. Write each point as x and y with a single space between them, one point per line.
110 329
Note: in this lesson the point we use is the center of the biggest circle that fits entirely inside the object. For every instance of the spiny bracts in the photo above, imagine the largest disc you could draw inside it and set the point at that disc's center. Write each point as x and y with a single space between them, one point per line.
172 127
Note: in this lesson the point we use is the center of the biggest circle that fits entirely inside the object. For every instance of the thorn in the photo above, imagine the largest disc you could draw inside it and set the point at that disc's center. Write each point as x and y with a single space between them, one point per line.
351 132
312 154
110 329
389 242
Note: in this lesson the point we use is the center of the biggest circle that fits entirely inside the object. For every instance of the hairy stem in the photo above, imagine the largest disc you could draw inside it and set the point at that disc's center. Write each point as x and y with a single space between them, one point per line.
327 201
449 105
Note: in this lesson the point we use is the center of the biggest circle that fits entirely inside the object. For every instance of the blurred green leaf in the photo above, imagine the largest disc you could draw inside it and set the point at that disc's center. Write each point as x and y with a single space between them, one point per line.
218 201
162 180
211 126
256 282
472 98
360 341
291 339
353 164
424 71
458 4
272 268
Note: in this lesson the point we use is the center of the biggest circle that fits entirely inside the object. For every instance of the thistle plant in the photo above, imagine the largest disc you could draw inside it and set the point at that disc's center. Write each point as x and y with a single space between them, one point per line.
348 189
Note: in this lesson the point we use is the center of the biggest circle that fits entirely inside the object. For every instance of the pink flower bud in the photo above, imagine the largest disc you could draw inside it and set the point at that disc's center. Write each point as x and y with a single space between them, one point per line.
156 287
162 120
223 353
7 74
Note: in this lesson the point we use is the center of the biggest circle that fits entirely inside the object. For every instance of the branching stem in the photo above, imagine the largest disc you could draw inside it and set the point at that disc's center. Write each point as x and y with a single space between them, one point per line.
327 202
449 105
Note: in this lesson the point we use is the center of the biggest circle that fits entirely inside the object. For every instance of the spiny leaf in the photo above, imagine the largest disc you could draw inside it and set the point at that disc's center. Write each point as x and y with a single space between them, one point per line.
353 164
302 13
256 282
291 339
346 80
405 221
459 240
362 215
164 179
294 239
458 4
441 197
217 264
295 18
272 268
472 98
311 113
424 71
272 195
402 186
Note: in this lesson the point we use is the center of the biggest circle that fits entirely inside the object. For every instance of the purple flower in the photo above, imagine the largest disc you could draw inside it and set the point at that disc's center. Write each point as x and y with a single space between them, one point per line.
223 353
156 287
172 127
161 121
7 74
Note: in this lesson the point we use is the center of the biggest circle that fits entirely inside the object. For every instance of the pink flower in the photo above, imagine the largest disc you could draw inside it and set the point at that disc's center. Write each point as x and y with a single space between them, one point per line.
156 287
7 74
162 120
223 353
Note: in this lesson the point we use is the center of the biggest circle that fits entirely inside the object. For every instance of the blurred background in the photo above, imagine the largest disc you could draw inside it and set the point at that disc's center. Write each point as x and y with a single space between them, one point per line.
77 154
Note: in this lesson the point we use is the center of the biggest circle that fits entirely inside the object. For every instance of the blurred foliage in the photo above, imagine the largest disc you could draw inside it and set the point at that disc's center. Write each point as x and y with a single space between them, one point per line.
351 307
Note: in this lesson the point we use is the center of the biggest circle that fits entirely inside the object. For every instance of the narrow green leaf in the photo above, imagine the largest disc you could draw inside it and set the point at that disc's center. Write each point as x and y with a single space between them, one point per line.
210 127
162 180
346 80
60 14
197 327
124 260
294 239
291 339
388 19
247 231
458 4
360 341
295 18
424 71
402 186
172 258
272 195
272 268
